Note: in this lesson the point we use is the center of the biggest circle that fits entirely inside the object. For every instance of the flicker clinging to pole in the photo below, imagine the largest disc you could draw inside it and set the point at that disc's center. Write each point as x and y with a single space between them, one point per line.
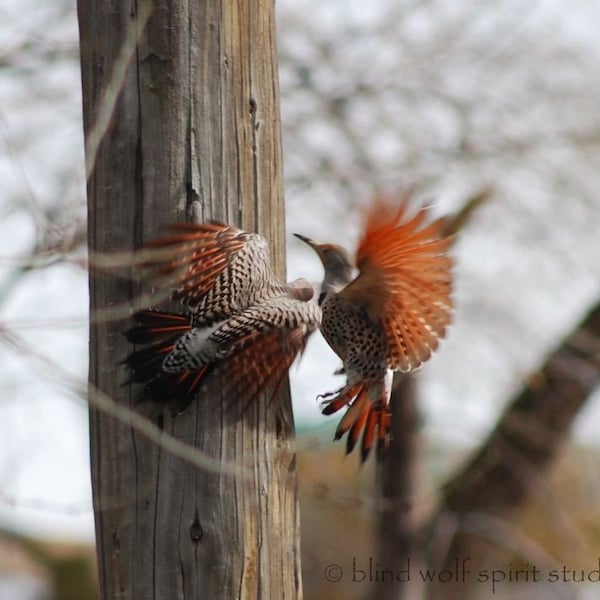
238 318
389 318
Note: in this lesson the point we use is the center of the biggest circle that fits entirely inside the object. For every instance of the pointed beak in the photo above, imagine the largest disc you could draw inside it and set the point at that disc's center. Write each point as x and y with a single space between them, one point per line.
308 241
304 238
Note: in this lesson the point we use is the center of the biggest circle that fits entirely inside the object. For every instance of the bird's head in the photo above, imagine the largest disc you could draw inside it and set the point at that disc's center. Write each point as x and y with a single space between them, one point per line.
336 262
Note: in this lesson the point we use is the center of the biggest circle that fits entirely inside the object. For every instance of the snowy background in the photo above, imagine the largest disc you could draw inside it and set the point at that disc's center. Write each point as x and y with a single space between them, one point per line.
456 97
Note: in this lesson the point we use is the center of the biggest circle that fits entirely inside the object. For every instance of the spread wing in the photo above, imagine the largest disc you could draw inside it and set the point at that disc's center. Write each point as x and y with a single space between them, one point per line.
261 365
261 343
405 281
257 347
212 268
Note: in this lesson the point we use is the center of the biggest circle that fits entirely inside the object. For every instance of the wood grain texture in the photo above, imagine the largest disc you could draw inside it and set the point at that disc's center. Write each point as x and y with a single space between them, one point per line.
196 121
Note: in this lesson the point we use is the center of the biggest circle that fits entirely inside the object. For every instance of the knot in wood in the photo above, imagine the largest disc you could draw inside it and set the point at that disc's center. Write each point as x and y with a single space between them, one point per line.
196 532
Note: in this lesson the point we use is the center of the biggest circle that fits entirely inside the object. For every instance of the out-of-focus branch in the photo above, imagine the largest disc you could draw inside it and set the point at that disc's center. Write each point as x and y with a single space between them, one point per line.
456 222
397 515
505 472
121 413
398 526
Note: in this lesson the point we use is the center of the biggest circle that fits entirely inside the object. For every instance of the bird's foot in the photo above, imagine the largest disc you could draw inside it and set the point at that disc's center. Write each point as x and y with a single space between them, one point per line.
328 396
333 401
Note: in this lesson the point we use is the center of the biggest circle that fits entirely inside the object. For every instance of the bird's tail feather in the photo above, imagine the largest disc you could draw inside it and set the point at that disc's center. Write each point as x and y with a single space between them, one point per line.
363 415
158 331
257 364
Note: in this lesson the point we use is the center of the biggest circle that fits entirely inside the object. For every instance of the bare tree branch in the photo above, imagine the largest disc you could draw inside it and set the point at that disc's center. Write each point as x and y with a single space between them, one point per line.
505 472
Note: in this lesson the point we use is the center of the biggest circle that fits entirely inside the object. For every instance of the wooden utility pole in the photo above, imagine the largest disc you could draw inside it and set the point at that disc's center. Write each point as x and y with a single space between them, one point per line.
181 110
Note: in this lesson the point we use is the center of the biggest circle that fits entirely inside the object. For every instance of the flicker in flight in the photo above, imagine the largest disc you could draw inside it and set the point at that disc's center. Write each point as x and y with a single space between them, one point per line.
238 318
389 318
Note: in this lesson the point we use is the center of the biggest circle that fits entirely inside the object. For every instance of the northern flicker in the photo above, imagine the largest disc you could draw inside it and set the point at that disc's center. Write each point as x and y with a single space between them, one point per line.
389 318
239 318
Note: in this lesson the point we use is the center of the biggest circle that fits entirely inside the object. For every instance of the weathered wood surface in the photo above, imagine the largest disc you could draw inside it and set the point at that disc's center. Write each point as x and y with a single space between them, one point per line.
196 119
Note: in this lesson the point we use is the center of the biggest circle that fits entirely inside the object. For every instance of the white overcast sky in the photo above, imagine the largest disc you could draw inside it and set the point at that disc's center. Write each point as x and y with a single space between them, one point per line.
44 470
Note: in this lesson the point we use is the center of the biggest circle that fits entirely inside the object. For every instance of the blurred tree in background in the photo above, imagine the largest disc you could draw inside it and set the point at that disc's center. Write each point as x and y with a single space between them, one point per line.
458 99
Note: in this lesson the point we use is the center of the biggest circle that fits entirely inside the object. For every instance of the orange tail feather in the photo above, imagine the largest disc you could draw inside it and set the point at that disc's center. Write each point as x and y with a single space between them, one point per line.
158 331
361 417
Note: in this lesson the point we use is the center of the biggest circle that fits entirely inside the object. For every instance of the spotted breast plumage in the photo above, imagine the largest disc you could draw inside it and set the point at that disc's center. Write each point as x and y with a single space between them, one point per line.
239 318
389 318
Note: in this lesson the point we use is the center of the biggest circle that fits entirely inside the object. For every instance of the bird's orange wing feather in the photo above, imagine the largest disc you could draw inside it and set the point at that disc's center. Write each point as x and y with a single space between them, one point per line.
260 365
405 280
191 259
